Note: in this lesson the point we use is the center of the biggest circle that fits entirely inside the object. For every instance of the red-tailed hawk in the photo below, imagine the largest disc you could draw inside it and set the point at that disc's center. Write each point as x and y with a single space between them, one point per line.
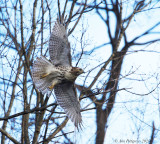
59 73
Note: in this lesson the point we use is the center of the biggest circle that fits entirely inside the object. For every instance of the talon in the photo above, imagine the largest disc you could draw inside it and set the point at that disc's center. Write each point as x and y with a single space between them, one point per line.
51 87
44 75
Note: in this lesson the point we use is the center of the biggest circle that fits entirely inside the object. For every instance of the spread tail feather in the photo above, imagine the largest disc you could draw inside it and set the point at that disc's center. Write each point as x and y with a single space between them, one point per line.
40 74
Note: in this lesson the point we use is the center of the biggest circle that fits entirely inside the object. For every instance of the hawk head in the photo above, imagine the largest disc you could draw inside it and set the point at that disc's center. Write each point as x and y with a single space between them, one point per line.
76 71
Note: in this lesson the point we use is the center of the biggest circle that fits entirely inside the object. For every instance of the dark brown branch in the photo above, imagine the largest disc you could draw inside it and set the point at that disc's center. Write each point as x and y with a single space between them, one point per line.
59 13
153 134
145 93
39 121
42 25
9 136
78 18
47 122
100 71
30 111
56 131
64 10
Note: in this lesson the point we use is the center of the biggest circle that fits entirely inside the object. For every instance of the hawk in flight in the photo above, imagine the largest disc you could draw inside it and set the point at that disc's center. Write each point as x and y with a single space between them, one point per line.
59 73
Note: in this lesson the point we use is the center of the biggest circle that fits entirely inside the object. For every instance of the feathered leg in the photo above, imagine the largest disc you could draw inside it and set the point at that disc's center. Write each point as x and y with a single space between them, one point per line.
53 84
44 75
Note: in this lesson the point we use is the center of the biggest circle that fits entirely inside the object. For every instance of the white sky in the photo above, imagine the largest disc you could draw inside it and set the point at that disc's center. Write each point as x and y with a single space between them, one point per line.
123 124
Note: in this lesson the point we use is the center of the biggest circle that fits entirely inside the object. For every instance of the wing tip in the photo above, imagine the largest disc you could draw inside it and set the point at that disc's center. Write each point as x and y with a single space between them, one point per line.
76 118
79 125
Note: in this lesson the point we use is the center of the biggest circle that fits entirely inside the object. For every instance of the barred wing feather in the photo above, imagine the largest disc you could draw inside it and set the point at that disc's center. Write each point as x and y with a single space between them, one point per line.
67 99
59 47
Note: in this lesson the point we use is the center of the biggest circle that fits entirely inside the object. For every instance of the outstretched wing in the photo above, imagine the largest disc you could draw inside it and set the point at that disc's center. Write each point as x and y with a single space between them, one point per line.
67 99
59 47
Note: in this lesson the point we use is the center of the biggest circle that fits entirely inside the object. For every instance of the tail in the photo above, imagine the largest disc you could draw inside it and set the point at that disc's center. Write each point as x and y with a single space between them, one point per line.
42 67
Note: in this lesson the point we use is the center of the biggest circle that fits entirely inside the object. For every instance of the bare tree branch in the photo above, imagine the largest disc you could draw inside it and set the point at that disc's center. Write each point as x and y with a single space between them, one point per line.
9 136
153 134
